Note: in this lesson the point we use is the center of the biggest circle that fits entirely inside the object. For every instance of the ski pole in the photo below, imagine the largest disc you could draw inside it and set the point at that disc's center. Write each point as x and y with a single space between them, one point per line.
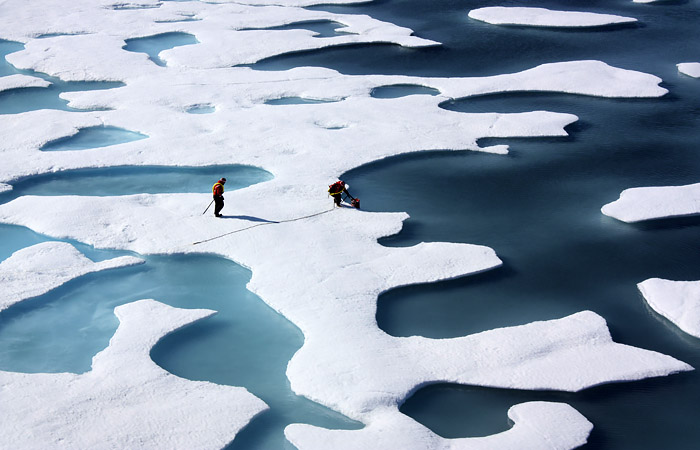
207 207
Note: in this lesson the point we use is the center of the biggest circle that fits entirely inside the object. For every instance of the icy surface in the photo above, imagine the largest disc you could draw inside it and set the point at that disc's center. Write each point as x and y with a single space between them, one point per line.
541 17
21 81
678 301
36 270
126 400
690 69
371 128
646 203
346 362
537 425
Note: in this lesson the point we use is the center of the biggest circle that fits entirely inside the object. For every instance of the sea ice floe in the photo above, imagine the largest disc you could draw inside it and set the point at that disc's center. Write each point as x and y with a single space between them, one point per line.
21 81
646 203
542 17
221 43
347 362
690 69
568 354
40 268
280 137
537 425
678 301
320 267
126 400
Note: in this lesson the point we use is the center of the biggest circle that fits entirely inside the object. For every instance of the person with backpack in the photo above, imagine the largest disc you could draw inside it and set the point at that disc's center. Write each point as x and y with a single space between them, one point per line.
336 191
218 192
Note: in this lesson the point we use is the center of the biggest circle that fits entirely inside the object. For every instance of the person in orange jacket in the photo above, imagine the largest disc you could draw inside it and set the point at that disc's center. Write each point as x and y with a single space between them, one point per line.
218 192
336 191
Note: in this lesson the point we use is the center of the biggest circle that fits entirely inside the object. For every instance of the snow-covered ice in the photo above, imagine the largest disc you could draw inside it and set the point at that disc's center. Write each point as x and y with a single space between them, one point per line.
371 129
40 268
346 362
678 301
646 203
537 425
691 69
126 400
542 17
21 81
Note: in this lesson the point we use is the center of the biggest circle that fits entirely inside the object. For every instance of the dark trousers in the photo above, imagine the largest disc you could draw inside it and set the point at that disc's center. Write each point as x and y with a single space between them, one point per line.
337 198
218 204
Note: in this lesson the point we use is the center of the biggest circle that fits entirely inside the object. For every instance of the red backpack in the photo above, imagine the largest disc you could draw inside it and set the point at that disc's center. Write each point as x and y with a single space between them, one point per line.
336 188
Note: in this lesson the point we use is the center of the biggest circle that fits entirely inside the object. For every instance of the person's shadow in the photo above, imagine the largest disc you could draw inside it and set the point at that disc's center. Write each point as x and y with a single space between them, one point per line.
249 218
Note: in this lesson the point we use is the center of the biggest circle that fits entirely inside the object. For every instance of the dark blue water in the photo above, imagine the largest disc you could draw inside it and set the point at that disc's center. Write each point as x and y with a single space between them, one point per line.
322 28
539 208
153 45
402 90
20 100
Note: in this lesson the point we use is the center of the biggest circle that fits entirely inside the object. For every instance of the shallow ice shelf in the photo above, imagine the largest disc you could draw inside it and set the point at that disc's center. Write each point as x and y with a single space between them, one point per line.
153 45
36 270
21 100
32 98
18 81
93 137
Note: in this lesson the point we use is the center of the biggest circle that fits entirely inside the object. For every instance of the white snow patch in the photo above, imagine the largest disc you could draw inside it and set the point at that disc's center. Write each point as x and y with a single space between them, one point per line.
5 187
646 203
21 81
678 301
40 268
537 425
691 69
542 17
126 400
